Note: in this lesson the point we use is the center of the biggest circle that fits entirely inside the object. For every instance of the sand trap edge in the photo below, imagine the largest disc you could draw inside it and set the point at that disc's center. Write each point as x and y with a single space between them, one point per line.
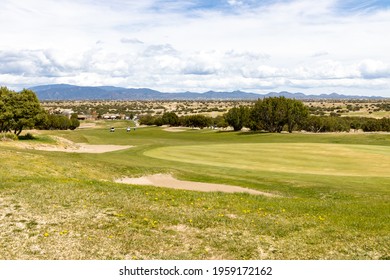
168 181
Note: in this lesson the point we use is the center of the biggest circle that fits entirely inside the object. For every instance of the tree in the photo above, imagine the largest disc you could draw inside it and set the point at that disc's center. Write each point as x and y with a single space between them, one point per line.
6 114
27 111
237 117
372 125
147 119
297 113
269 114
170 118
196 121
220 121
314 124
273 113
327 124
19 110
385 123
74 122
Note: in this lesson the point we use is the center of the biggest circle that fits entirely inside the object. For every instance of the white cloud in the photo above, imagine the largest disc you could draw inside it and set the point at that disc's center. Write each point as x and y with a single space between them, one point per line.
281 45
372 69
131 41
320 53
235 2
157 50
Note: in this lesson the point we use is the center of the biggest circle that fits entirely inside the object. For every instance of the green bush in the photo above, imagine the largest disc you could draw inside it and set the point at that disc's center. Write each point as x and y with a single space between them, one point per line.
8 137
28 136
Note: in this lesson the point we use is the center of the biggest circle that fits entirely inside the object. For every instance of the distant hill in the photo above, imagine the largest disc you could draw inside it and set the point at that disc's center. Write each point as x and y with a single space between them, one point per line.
72 92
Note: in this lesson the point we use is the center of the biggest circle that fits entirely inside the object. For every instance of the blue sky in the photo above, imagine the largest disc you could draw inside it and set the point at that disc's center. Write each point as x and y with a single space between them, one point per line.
259 46
362 5
345 6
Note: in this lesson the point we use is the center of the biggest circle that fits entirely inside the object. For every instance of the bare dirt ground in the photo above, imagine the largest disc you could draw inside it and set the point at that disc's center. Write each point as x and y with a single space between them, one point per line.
166 180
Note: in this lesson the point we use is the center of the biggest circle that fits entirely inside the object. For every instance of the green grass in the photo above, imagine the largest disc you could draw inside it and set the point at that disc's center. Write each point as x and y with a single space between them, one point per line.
306 158
334 200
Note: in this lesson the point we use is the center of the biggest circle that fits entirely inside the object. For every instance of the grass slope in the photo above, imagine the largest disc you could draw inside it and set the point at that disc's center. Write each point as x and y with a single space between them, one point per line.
65 206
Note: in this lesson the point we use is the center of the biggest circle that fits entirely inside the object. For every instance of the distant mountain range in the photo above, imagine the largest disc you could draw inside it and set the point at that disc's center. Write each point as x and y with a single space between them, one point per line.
71 92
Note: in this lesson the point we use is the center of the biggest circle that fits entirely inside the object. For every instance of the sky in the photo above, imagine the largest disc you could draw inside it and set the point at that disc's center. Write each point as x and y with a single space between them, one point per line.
307 46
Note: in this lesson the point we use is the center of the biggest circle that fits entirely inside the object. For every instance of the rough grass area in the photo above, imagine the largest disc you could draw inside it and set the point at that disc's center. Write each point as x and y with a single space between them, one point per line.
56 205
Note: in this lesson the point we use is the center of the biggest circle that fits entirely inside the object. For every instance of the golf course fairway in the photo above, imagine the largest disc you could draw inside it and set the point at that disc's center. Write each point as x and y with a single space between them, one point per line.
305 158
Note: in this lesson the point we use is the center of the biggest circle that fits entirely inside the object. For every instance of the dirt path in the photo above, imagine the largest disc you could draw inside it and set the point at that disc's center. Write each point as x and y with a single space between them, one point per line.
166 180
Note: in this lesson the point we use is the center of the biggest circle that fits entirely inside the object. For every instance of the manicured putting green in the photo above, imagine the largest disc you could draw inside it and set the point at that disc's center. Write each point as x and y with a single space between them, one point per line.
308 158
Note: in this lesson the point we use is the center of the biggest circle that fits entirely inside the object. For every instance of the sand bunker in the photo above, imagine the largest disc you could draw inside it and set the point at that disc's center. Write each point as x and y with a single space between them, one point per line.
82 148
87 125
65 145
166 180
174 129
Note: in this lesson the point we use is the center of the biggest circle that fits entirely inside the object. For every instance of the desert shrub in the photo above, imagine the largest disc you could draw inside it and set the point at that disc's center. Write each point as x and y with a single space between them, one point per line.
200 121
170 118
385 124
74 122
219 121
8 137
28 136
147 119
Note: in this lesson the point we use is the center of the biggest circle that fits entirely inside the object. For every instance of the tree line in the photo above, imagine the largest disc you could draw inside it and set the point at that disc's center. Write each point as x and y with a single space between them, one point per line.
60 122
172 119
275 114
272 114
22 110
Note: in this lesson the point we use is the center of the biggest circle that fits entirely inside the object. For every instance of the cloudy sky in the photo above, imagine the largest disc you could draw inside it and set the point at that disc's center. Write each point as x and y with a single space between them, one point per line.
309 46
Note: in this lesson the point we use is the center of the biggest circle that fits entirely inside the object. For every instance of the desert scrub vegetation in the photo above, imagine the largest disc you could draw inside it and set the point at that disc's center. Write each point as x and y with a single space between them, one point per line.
274 114
94 108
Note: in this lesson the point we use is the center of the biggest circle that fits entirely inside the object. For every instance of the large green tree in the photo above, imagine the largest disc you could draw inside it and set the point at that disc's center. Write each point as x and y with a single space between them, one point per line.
6 113
19 110
237 117
273 113
170 118
269 114
297 113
